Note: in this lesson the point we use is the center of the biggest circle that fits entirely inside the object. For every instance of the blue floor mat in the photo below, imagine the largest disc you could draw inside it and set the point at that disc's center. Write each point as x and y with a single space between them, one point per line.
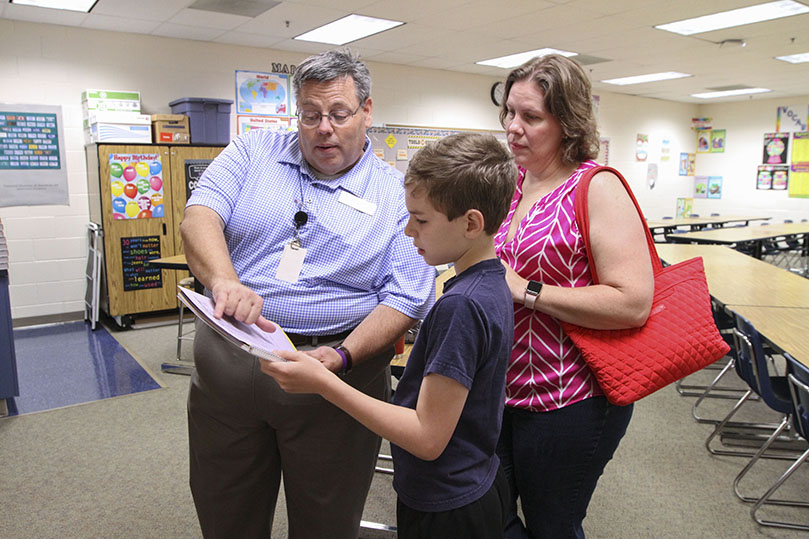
65 364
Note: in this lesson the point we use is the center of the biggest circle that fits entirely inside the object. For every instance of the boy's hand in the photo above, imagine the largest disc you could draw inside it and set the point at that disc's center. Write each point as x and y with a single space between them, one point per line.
301 373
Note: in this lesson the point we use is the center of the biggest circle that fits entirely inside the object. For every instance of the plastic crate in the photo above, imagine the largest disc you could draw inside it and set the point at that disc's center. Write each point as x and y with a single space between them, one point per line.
209 119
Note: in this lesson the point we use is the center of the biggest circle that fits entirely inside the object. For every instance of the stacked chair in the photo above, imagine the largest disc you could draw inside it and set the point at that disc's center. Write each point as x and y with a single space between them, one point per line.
799 391
786 394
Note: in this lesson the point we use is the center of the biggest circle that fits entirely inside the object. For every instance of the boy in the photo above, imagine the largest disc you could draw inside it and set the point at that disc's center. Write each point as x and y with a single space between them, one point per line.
445 417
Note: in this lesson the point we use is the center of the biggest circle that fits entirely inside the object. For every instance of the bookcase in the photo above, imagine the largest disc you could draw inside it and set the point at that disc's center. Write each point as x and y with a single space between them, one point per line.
136 194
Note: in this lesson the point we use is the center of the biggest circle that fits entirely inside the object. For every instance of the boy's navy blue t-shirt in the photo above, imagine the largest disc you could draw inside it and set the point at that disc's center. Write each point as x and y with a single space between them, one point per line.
467 336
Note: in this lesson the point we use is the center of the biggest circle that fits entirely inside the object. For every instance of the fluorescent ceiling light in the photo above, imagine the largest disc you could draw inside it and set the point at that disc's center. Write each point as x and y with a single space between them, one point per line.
69 5
795 58
736 17
728 93
514 60
651 77
347 29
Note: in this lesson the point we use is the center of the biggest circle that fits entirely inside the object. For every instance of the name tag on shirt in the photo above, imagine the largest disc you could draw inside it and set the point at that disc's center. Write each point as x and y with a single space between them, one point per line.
289 269
357 203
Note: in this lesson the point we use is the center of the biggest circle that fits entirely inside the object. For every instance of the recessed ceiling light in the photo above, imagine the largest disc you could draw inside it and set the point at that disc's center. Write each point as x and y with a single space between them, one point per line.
347 29
728 93
651 77
69 5
514 60
795 58
736 17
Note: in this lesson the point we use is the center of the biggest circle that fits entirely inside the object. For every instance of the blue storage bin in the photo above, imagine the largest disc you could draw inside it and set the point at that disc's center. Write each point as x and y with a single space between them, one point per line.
208 119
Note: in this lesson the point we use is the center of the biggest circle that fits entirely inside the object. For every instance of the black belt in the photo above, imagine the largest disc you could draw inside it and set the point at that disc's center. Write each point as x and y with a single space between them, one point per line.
313 340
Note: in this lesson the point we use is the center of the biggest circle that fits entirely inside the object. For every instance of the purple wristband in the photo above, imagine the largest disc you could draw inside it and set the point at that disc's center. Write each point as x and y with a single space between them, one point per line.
344 358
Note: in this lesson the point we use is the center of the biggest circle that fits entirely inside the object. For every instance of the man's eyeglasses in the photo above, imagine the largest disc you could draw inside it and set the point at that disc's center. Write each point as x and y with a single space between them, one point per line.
311 118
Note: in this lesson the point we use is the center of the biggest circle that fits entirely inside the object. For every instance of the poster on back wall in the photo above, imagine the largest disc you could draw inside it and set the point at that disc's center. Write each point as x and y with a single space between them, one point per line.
641 147
714 186
717 141
772 177
775 148
792 118
32 156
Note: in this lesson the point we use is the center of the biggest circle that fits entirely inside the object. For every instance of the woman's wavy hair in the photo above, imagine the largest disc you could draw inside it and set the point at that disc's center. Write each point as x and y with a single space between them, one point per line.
568 96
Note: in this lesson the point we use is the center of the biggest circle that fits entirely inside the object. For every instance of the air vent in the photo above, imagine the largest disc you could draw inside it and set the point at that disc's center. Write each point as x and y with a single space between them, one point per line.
245 8
729 88
586 60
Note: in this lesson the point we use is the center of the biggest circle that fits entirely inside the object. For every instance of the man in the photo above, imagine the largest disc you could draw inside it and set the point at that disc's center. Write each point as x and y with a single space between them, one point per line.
304 229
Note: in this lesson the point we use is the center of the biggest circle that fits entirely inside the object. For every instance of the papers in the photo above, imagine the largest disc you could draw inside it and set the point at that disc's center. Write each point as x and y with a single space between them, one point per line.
249 338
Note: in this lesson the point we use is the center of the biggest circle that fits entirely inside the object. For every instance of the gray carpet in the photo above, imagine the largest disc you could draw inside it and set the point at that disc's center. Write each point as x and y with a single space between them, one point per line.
119 468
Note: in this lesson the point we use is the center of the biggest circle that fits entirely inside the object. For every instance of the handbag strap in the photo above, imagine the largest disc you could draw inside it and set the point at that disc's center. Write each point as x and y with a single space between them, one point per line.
583 220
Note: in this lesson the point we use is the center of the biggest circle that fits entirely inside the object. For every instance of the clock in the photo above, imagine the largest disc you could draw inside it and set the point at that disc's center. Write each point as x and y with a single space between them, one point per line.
498 89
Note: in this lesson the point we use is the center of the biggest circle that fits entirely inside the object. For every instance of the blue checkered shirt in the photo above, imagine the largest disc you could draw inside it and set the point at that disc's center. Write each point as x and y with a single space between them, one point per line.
354 261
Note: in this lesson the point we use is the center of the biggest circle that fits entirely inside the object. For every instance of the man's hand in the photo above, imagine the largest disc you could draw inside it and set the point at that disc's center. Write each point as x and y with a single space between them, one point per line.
329 357
234 299
301 373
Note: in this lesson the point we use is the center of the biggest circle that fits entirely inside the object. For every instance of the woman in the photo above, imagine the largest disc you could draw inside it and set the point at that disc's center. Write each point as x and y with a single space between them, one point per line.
559 431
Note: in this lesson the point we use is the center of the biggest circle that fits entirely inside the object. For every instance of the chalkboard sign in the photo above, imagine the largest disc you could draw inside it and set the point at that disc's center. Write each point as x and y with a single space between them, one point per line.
193 172
135 252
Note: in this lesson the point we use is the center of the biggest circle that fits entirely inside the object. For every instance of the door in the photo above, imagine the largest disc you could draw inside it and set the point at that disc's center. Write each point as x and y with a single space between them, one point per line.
136 202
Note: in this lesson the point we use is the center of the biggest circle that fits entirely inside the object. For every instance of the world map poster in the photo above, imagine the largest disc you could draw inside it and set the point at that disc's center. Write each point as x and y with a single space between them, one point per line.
262 93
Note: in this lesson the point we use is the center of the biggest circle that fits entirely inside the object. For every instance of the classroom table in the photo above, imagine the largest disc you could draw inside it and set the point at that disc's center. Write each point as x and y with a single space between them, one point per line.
698 223
784 327
177 262
755 235
737 279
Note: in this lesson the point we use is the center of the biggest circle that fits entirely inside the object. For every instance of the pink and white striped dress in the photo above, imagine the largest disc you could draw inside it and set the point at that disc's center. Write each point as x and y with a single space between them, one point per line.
546 371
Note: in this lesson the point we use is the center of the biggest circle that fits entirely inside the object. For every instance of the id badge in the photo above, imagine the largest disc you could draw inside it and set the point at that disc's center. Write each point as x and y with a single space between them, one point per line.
289 269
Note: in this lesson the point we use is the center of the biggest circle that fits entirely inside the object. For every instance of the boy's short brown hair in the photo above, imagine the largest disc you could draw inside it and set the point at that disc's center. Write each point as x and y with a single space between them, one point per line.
463 172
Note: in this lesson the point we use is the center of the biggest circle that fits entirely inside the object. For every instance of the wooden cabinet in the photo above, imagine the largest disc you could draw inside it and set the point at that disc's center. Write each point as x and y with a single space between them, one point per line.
137 194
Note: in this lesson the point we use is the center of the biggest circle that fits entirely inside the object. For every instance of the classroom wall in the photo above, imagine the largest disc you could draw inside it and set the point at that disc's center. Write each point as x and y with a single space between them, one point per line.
51 65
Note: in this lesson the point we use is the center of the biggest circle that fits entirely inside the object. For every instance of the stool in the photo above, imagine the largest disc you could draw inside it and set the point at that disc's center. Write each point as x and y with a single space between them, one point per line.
188 282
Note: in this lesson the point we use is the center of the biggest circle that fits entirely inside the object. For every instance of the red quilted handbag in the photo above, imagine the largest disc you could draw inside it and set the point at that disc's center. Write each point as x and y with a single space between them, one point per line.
679 337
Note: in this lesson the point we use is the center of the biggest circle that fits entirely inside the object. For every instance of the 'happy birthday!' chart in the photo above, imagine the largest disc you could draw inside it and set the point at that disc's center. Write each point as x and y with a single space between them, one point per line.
136 183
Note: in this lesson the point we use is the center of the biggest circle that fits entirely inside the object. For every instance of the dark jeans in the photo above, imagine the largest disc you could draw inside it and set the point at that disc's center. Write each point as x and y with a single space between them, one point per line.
552 461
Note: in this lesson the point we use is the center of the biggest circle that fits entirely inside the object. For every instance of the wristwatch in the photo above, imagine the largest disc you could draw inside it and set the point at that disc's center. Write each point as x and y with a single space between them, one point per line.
531 293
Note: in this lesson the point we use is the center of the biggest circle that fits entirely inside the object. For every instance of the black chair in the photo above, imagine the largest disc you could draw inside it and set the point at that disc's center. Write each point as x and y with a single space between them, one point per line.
799 391
752 366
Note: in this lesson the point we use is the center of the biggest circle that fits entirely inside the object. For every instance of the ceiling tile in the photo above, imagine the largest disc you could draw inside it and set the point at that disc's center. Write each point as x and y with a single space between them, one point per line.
119 24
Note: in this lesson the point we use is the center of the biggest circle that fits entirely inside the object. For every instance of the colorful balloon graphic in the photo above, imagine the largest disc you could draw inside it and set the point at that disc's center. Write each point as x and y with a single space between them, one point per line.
130 190
158 211
157 199
143 185
116 170
117 188
145 214
129 173
145 203
155 167
118 205
132 209
118 216
156 182
142 169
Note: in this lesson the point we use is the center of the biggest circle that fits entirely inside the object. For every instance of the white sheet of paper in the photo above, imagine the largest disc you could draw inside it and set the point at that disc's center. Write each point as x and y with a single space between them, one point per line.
255 339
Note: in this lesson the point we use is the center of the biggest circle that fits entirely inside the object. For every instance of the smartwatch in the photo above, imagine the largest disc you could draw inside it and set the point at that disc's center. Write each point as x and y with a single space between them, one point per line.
531 293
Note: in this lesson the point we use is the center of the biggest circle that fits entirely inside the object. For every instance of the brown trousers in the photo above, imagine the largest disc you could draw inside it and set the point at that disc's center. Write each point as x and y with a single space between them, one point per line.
245 433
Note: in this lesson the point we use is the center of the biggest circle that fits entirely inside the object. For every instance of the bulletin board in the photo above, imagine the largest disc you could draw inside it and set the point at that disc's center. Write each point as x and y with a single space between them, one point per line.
398 144
32 156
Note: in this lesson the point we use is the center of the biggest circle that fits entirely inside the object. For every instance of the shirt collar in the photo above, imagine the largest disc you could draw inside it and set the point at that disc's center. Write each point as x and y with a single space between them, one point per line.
351 181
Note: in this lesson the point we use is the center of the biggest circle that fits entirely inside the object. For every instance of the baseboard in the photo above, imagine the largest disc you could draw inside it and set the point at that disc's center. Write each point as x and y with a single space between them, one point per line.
47 319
